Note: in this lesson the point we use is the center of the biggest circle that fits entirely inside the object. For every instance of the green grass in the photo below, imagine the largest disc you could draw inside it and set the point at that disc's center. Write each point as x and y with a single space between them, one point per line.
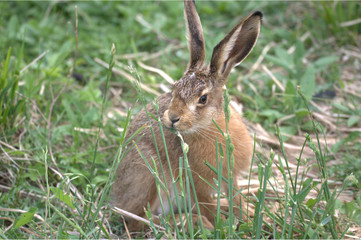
307 154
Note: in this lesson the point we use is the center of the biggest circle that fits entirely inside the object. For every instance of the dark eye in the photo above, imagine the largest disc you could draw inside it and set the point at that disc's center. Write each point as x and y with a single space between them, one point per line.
203 99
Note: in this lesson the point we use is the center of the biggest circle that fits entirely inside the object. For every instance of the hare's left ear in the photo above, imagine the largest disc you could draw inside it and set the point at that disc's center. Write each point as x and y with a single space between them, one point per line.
235 46
195 37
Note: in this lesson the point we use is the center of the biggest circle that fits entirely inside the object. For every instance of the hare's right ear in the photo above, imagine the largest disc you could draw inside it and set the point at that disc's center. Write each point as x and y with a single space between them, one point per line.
235 46
194 35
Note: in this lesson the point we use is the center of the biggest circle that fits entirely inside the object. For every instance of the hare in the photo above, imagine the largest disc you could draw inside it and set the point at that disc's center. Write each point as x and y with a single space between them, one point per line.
190 108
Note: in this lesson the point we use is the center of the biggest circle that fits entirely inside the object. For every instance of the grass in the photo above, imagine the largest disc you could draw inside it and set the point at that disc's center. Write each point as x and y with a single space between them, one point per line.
64 115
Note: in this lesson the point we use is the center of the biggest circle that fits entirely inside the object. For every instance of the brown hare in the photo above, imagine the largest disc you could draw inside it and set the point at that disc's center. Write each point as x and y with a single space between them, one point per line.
190 108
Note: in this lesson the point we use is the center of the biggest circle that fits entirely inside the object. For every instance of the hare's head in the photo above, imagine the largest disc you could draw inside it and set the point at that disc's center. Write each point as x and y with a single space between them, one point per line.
197 97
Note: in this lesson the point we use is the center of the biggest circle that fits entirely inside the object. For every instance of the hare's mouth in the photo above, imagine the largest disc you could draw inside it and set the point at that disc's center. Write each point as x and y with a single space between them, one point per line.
180 126
183 129
183 123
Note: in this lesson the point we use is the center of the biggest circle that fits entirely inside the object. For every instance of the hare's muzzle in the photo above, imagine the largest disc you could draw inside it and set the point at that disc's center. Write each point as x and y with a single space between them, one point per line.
171 118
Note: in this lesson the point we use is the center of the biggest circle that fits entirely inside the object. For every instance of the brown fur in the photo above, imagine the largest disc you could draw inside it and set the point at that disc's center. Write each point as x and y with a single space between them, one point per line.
134 186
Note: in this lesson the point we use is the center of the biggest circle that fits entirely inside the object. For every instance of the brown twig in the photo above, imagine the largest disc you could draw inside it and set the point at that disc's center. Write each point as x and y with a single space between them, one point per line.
126 228
270 74
145 56
133 216
8 146
259 59
4 188
126 76
34 61
158 71
139 18
34 104
20 211
30 232
10 220
303 38
8 156
350 23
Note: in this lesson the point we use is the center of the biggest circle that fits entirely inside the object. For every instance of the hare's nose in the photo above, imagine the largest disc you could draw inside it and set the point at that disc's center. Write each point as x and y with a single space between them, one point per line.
174 118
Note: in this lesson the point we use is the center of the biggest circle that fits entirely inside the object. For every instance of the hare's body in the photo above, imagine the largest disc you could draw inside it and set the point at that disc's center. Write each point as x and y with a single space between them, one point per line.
195 101
135 186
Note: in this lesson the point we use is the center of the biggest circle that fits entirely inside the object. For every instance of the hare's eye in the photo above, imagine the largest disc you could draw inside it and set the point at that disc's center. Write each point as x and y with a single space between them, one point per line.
203 99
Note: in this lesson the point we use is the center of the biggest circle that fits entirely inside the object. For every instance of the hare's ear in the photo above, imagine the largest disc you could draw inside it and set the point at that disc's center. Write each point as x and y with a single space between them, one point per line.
235 46
194 35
